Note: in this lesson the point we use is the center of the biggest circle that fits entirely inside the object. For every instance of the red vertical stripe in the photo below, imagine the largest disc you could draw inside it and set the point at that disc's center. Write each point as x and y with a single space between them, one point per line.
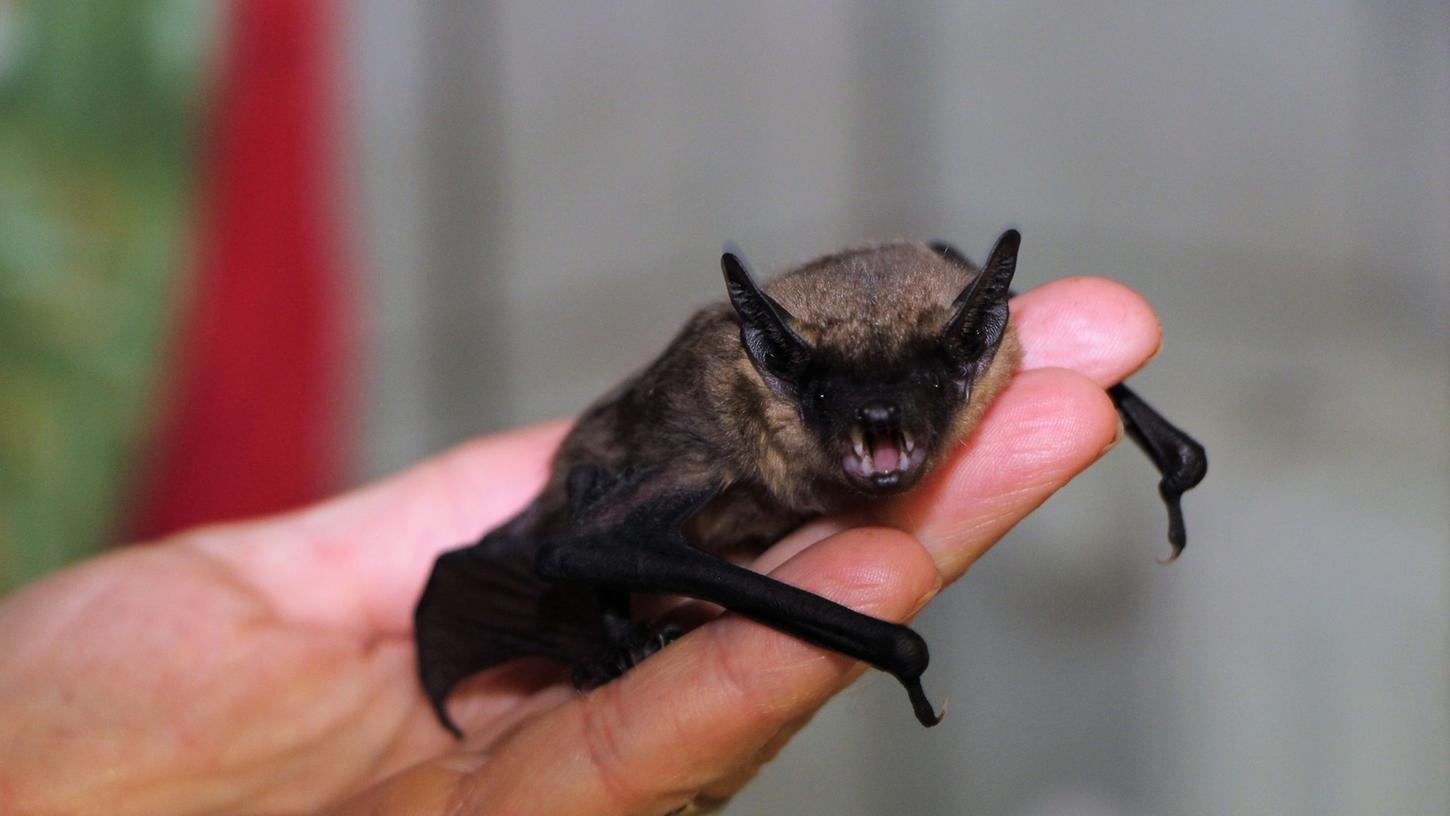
251 422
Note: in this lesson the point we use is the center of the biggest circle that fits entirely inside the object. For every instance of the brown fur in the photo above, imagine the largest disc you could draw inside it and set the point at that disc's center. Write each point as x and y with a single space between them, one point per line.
703 408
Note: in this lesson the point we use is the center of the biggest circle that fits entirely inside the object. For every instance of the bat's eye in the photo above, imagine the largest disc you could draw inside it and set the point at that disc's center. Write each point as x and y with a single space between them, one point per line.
822 400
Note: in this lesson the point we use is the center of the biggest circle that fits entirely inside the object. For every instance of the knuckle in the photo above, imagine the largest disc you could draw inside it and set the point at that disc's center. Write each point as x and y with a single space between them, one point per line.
601 723
733 681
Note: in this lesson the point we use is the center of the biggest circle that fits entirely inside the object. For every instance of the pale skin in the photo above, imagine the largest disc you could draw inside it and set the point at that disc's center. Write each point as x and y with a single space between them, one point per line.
267 666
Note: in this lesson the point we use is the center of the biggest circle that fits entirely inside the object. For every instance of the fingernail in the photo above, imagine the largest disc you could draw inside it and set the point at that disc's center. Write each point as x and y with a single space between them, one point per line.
926 598
1118 433
1158 349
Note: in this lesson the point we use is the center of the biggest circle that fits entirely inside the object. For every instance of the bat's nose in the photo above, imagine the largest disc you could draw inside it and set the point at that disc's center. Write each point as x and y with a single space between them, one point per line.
878 414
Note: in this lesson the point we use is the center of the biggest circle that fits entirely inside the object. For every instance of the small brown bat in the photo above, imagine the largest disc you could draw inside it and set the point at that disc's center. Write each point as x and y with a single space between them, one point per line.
843 380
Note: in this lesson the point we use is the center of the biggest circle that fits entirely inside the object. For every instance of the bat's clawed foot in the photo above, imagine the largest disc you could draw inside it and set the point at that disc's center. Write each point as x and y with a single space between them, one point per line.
908 661
639 642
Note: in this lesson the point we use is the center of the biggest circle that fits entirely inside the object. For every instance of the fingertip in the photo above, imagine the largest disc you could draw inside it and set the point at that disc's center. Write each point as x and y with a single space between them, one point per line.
1096 326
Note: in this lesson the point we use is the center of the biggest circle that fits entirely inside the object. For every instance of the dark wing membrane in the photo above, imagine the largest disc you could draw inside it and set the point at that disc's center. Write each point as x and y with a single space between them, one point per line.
484 606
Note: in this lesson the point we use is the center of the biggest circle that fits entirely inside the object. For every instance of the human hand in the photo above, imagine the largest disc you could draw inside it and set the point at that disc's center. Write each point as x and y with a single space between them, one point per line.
268 666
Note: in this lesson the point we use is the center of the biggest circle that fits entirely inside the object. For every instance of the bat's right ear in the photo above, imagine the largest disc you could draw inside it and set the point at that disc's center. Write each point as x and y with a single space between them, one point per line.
777 352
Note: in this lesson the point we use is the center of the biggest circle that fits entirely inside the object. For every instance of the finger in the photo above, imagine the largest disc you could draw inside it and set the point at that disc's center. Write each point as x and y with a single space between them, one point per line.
719 793
427 788
361 560
1095 326
1047 427
705 706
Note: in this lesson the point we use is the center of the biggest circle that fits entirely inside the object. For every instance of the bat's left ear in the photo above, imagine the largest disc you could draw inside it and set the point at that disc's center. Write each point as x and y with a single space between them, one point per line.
778 353
980 316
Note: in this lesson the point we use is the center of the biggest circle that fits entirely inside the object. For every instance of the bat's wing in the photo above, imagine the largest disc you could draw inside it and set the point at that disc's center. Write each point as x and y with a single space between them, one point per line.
483 606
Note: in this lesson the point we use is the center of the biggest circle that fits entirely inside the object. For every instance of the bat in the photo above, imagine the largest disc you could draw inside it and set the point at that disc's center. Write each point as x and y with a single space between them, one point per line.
841 381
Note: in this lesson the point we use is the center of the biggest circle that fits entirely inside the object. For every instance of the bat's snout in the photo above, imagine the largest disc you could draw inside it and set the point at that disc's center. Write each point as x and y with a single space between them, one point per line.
882 456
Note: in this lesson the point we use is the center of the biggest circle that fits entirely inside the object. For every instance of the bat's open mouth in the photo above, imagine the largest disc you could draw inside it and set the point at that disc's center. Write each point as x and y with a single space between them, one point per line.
882 458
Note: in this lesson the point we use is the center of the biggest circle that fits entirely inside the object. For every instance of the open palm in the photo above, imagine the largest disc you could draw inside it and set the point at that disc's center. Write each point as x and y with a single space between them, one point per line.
268 666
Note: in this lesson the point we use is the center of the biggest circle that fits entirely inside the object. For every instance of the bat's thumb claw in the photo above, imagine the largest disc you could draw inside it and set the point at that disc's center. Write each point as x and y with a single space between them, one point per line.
925 713
1177 535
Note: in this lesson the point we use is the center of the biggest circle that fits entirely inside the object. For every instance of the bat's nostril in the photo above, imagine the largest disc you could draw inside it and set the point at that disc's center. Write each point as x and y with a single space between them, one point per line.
878 414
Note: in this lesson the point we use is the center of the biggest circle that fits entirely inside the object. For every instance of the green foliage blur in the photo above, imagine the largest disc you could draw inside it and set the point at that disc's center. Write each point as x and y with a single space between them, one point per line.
100 112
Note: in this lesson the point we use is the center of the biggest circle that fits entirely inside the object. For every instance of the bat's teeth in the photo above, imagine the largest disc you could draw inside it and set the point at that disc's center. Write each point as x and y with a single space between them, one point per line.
858 442
907 443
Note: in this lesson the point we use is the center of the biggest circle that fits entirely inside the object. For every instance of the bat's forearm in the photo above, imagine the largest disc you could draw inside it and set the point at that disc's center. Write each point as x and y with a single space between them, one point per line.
1179 458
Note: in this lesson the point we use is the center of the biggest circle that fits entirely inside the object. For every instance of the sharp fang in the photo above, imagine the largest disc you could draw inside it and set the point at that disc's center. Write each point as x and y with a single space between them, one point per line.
858 442
907 442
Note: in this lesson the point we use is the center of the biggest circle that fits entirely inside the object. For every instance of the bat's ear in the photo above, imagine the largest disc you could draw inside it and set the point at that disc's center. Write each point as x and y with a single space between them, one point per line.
951 253
980 315
778 353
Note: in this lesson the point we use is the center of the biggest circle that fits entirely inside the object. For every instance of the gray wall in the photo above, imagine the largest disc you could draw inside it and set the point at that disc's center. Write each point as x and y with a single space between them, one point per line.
541 189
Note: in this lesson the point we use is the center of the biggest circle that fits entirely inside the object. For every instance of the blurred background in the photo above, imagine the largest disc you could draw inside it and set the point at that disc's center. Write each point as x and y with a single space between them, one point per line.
252 253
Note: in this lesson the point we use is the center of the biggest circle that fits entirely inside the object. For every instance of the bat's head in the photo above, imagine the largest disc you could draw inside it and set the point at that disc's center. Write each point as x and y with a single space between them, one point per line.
878 352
